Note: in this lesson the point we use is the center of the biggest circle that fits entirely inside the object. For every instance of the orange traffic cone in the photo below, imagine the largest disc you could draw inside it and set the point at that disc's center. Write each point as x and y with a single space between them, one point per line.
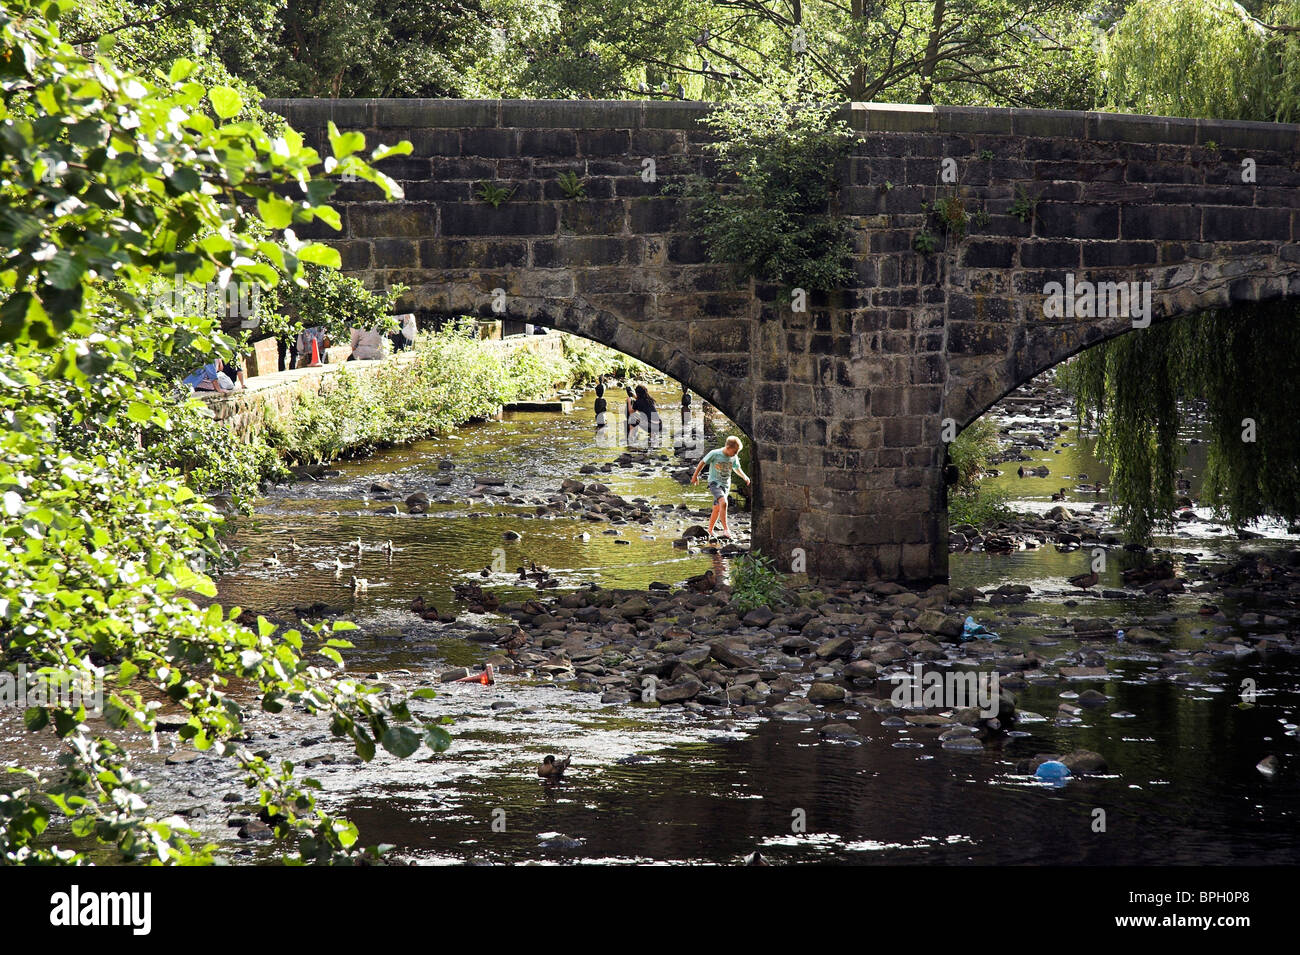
485 678
315 355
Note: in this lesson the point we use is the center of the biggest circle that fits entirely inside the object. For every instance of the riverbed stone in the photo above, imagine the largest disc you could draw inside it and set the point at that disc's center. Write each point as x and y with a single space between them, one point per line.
835 648
822 692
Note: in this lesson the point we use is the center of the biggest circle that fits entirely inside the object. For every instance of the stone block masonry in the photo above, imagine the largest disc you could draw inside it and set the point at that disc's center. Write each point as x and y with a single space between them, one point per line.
846 402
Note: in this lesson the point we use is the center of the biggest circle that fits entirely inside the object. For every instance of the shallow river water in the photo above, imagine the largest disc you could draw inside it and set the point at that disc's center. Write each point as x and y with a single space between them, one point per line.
668 786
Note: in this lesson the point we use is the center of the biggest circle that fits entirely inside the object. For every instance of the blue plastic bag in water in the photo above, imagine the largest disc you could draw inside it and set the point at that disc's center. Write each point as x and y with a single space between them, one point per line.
1052 771
976 631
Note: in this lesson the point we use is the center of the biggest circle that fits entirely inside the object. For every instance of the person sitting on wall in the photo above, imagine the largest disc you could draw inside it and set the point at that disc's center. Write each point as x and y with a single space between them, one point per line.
209 377
369 345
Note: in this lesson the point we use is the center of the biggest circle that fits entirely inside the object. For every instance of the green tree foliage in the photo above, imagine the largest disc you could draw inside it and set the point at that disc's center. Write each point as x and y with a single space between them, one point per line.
330 300
1205 58
971 453
110 182
769 213
755 582
1036 53
996 52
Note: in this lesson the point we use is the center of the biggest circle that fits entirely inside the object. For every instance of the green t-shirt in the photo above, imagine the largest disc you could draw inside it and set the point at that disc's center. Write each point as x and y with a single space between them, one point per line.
720 467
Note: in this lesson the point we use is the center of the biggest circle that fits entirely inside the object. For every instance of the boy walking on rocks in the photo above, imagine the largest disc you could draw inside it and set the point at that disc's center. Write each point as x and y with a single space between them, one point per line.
721 461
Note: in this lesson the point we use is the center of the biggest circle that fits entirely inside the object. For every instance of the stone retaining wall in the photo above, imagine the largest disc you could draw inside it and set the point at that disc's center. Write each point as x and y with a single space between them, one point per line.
247 411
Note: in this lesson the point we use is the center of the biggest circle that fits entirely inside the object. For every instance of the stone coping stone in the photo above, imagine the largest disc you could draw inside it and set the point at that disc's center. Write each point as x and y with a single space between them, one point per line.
864 117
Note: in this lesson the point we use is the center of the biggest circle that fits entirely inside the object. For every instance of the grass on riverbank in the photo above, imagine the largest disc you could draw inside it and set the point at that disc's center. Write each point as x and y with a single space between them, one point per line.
971 452
451 380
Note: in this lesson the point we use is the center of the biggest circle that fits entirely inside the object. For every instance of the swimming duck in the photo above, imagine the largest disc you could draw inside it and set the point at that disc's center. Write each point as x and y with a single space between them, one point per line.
1084 581
359 585
338 568
418 604
294 545
359 546
388 549
273 560
551 770
1059 495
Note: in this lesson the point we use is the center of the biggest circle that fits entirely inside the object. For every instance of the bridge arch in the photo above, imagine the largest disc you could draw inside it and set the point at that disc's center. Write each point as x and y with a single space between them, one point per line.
726 392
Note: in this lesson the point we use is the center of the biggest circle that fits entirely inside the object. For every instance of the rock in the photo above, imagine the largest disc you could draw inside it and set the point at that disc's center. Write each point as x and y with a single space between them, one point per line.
1074 673
571 486
1060 513
446 465
635 606
450 676
695 530
1144 637
861 669
838 731
759 617
1085 761
487 481
380 487
256 829
728 657
927 719
419 497
1268 766
512 536
680 692
826 693
938 622
835 648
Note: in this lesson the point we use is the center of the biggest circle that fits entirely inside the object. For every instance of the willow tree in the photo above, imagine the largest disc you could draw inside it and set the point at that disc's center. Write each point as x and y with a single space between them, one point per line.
1211 59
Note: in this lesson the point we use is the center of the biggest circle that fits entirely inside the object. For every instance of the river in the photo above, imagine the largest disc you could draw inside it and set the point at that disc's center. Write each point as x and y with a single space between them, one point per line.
671 785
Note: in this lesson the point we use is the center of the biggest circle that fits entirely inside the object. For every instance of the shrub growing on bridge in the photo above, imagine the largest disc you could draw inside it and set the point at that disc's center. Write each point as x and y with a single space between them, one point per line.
770 213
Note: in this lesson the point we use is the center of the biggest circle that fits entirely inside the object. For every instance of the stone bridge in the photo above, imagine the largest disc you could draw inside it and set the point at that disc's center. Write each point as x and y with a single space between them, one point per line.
848 403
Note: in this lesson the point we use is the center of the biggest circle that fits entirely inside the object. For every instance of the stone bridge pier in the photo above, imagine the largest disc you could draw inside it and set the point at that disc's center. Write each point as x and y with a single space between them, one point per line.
849 401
